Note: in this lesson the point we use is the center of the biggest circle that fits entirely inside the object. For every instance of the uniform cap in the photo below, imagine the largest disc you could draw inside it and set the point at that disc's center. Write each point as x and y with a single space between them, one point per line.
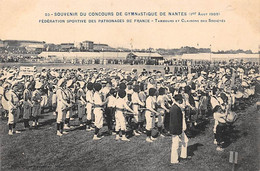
38 85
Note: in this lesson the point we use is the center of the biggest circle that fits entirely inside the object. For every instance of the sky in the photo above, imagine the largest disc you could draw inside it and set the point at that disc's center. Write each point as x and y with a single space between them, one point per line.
20 21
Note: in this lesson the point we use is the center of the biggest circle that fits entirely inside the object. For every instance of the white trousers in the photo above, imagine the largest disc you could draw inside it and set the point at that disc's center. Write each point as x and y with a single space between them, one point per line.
149 120
13 116
98 112
176 140
120 121
136 110
61 115
89 111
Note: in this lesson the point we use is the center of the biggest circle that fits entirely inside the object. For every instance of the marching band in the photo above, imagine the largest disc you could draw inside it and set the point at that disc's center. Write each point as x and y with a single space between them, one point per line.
171 103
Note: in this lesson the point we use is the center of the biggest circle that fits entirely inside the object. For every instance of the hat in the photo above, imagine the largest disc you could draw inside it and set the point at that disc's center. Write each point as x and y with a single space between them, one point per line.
103 82
38 85
244 84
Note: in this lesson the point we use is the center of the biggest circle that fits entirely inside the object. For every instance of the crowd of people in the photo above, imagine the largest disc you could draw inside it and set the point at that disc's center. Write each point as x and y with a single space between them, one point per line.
147 102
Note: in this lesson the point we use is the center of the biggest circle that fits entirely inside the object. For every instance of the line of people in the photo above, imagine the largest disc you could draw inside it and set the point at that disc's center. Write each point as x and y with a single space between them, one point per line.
141 101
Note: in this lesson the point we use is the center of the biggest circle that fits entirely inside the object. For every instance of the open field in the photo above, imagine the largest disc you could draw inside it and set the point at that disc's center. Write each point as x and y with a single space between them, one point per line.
42 149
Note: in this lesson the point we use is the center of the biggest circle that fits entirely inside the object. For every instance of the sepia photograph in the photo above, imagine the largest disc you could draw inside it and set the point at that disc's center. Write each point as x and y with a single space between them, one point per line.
139 85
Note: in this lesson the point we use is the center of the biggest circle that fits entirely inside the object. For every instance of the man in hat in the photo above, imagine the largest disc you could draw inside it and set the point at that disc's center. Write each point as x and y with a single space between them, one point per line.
177 127
14 110
89 105
98 110
27 104
36 99
162 109
70 100
121 105
150 113
62 106
81 96
136 104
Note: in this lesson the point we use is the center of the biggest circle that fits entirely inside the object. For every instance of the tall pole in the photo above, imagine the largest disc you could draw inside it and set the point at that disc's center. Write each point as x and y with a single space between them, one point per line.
103 56
259 55
210 54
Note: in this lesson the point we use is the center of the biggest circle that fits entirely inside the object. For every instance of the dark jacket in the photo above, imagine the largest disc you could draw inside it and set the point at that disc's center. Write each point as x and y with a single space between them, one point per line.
175 126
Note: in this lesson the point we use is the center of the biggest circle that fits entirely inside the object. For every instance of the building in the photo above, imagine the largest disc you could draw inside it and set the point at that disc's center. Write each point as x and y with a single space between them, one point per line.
24 46
24 43
87 46
66 47
50 47
103 47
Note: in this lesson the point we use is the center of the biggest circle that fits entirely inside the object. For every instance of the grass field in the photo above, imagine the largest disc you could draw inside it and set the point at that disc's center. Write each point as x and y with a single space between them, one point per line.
42 149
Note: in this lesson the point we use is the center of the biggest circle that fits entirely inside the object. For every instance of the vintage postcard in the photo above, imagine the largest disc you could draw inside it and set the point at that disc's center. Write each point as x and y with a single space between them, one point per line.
129 85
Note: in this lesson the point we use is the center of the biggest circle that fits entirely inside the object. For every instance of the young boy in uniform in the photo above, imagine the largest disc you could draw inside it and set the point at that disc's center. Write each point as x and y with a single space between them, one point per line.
119 115
70 100
150 113
136 104
81 96
161 101
27 104
36 109
98 110
14 110
62 106
110 109
89 100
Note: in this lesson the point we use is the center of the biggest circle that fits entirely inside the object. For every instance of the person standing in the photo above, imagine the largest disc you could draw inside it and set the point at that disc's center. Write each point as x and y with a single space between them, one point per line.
121 106
62 106
177 127
167 68
136 105
81 96
70 100
36 98
110 109
162 109
27 105
89 105
220 124
150 114
14 110
98 110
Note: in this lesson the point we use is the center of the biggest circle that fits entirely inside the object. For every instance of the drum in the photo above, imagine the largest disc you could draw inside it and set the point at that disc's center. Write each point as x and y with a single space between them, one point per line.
231 117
